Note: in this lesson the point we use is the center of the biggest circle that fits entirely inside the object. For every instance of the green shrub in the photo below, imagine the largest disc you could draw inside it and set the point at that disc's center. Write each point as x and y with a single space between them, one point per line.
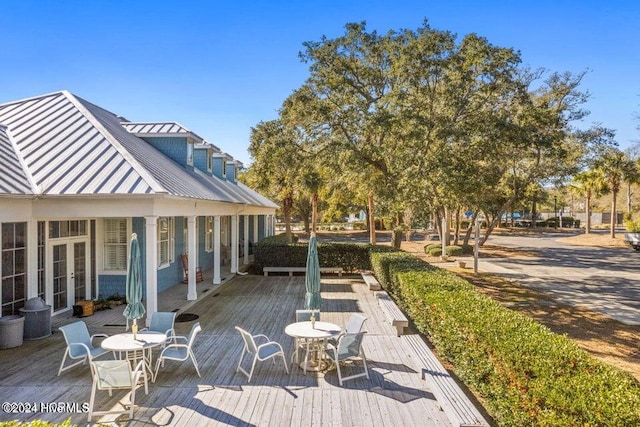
430 246
437 251
632 226
349 256
358 225
454 250
526 374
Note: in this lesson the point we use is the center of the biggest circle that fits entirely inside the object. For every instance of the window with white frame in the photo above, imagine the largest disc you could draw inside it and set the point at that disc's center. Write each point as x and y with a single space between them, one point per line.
209 234
190 153
14 267
115 244
165 241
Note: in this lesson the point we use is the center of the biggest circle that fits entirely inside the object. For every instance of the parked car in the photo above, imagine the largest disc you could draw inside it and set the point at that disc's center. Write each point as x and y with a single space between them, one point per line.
633 239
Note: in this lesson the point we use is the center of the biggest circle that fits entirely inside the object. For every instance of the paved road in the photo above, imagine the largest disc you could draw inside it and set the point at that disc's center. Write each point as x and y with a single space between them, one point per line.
605 280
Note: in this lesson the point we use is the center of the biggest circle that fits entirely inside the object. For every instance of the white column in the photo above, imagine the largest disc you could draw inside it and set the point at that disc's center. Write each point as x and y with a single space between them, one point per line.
245 249
255 229
192 294
32 259
234 243
151 259
216 250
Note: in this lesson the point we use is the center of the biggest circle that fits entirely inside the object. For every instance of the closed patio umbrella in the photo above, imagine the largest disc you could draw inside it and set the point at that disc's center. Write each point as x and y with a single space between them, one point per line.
134 309
312 300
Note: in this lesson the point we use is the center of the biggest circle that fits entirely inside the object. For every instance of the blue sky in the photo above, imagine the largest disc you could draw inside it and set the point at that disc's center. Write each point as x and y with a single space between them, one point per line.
219 68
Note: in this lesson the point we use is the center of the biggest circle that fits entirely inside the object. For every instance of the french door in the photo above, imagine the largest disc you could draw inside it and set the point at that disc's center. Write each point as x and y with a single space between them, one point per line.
68 272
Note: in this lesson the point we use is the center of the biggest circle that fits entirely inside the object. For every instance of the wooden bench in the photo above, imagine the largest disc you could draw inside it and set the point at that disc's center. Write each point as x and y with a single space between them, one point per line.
452 400
371 281
292 270
396 317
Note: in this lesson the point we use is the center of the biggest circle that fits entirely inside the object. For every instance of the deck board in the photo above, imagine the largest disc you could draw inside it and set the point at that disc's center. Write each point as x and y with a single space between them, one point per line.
394 395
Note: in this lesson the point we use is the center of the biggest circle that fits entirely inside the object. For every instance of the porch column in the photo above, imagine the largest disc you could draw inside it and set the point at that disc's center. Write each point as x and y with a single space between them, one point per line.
245 249
151 262
255 229
234 243
192 293
216 250
32 258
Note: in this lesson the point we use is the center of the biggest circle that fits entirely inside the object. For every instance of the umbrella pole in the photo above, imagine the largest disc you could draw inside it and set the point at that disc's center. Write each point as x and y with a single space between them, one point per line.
134 328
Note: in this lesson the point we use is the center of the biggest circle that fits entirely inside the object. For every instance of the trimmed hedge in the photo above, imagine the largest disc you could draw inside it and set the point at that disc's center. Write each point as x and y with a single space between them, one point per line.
526 374
350 256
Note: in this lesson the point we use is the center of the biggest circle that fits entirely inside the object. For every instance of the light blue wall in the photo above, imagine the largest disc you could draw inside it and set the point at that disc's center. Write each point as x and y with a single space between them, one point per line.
231 172
173 147
200 160
218 167
261 226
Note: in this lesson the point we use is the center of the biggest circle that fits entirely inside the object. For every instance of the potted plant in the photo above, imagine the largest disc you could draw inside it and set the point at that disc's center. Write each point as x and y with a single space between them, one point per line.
632 236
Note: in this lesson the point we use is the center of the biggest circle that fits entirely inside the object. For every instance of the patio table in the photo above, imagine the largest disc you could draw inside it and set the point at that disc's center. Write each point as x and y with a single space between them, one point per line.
136 349
320 333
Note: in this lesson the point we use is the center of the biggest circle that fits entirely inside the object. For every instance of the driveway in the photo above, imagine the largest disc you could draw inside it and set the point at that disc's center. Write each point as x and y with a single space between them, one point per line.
604 280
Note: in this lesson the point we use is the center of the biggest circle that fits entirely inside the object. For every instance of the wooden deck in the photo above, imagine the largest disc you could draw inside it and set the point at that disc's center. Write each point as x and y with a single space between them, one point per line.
393 396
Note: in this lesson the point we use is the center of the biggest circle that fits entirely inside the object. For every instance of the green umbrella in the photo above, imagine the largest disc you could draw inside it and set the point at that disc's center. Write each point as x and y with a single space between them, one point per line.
312 299
134 309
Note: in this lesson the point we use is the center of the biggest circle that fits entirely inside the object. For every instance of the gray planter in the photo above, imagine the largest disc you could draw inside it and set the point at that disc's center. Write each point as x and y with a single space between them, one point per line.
11 330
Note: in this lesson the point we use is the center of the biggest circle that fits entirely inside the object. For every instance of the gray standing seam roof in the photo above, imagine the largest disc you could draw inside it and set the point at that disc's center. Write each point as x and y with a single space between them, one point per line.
70 146
13 179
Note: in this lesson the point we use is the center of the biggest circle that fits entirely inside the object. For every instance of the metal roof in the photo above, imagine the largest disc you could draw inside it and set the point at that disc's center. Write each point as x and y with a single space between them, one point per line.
70 146
159 129
13 179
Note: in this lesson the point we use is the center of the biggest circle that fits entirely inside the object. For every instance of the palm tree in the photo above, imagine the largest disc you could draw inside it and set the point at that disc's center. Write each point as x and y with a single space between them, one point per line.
615 168
312 181
588 184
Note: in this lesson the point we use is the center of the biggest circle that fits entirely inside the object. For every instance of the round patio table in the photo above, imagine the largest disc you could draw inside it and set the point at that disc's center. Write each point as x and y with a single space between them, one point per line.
135 349
313 336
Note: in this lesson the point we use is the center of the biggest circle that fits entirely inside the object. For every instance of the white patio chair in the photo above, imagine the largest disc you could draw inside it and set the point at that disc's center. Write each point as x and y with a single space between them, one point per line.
267 350
112 375
354 325
79 344
180 351
349 347
162 322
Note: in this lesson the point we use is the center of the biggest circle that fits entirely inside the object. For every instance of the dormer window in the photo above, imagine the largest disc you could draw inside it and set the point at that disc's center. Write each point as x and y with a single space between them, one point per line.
224 168
190 153
209 162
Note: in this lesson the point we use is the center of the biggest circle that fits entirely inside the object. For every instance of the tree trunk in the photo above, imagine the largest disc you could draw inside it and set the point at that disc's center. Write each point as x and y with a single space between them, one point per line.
613 214
372 219
467 235
286 211
629 194
408 221
447 229
587 222
457 229
534 213
314 212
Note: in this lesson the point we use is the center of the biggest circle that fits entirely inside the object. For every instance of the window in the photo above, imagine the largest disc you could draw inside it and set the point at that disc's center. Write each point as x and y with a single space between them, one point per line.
165 241
209 162
190 153
67 229
14 267
115 244
209 234
224 168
